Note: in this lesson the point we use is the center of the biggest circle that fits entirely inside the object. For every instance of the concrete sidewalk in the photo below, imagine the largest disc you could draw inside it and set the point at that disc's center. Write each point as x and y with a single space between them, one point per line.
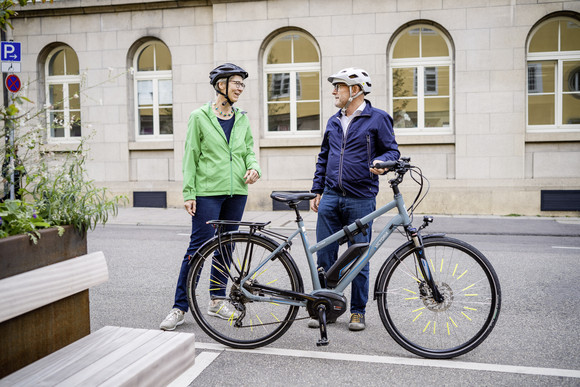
285 220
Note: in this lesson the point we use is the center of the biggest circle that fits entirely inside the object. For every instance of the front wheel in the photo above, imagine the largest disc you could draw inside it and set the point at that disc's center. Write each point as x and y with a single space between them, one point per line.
458 324
218 305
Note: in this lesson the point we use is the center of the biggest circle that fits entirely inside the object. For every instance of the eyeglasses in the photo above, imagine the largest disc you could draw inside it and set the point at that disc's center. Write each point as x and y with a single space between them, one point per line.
239 85
337 86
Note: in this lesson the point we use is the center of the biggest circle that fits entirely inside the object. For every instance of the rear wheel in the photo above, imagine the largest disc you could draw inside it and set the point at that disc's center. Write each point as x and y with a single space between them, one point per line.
233 319
468 313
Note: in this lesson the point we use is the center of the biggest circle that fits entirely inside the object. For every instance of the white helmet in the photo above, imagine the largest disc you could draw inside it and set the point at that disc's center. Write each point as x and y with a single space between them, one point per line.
352 76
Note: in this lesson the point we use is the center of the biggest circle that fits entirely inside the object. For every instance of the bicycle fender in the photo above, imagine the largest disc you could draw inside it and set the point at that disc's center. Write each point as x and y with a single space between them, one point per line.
396 253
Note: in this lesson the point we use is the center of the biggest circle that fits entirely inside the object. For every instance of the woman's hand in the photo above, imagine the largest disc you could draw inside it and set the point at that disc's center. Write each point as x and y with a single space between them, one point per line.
190 207
251 176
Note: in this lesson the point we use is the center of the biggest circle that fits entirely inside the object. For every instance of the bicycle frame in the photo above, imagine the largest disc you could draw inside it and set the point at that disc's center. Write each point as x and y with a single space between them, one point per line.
401 219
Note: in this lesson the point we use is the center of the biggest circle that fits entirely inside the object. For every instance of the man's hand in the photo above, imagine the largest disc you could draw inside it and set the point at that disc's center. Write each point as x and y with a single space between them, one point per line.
190 207
377 171
315 202
251 176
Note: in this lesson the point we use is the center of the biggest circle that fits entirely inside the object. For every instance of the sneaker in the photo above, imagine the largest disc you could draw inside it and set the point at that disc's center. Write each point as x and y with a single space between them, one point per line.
357 322
313 323
174 318
220 308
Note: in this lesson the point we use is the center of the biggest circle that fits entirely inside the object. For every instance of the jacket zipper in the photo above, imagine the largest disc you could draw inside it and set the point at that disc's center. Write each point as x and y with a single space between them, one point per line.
341 159
369 155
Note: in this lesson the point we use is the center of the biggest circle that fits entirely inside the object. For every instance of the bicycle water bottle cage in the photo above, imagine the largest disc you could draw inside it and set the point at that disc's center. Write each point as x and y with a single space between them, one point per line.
349 235
343 264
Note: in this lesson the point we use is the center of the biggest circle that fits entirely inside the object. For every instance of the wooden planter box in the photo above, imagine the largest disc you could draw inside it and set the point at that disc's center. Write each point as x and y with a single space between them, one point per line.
33 335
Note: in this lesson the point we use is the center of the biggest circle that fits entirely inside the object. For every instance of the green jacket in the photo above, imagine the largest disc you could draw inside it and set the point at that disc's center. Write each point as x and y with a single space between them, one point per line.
211 165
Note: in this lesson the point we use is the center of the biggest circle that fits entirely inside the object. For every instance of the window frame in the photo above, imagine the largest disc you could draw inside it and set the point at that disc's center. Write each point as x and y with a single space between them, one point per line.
419 66
292 69
559 57
65 81
154 76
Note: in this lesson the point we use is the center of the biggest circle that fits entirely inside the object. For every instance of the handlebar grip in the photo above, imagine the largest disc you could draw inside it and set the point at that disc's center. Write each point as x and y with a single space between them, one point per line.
386 164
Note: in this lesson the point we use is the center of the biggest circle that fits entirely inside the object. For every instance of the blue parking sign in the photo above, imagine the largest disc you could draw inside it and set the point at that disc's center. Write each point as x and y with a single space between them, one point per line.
10 52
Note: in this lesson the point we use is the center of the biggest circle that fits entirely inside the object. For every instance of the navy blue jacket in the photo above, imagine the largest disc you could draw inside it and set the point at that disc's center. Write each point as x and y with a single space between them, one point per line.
343 163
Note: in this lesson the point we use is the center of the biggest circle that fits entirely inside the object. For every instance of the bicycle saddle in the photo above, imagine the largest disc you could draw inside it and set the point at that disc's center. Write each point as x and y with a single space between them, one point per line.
292 196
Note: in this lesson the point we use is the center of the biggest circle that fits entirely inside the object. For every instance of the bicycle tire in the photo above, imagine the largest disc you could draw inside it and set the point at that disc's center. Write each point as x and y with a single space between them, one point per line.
263 322
462 321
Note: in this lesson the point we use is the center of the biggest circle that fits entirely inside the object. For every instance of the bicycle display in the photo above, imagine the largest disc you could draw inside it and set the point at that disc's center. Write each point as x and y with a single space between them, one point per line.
437 297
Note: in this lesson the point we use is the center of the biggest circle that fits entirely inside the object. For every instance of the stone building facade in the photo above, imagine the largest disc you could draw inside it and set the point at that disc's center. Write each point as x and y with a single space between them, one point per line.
485 94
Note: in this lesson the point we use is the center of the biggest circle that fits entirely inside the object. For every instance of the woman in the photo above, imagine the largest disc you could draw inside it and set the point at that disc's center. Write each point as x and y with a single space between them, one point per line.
218 164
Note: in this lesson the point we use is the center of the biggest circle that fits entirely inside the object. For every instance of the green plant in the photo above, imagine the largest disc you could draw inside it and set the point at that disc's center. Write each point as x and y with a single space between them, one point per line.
50 189
65 195
18 217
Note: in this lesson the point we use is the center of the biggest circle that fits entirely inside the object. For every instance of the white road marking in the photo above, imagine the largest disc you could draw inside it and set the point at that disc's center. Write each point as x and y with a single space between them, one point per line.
566 247
201 362
400 361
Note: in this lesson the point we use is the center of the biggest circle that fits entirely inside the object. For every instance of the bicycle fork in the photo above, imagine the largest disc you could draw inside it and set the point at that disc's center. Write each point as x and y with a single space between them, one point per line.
419 252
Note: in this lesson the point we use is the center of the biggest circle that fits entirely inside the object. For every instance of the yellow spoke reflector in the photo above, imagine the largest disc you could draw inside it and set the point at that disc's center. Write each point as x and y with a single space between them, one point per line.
472 285
417 316
251 326
471 295
215 282
468 308
410 291
466 316
416 279
426 326
453 322
271 282
418 309
462 274
448 331
273 315
274 303
441 268
454 270
434 325
216 289
432 264
411 298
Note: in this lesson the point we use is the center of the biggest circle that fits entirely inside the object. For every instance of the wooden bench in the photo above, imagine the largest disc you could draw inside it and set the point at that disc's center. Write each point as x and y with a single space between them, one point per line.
114 356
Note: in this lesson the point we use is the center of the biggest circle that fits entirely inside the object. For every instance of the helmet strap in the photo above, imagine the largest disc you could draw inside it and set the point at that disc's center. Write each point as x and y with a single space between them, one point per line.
351 98
226 93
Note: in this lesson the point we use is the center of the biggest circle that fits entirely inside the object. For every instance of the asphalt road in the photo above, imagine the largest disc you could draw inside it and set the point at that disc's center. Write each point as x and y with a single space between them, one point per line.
535 342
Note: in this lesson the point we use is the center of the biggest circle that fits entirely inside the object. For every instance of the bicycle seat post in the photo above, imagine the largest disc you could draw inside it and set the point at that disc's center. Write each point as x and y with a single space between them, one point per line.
294 206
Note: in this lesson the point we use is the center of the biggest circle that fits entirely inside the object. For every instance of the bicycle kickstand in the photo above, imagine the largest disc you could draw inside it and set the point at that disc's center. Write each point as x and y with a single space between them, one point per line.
322 323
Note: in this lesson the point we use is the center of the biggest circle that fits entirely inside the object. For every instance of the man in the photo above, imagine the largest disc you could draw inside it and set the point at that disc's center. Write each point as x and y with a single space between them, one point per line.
345 181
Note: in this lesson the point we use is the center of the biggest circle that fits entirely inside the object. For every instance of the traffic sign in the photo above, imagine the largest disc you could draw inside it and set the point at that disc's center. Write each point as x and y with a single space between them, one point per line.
13 83
10 51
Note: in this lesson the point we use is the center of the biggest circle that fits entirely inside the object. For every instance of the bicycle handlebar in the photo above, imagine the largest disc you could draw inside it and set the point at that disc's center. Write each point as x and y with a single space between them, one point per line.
395 165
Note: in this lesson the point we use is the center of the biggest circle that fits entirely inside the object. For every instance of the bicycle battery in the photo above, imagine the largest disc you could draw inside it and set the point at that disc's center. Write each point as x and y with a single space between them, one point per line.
343 264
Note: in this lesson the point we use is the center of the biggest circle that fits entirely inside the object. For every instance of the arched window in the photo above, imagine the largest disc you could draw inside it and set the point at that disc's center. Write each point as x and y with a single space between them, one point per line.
63 95
292 85
420 70
154 92
553 76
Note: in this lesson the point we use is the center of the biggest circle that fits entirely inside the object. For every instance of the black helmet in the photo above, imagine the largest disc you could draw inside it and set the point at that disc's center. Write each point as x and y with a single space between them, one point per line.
225 71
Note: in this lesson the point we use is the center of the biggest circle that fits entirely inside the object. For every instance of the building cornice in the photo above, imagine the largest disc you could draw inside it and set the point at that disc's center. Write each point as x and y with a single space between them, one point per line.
87 7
